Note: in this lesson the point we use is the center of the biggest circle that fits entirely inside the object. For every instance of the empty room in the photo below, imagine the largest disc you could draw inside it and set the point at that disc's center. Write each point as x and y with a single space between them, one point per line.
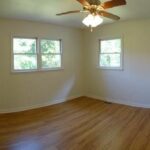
74 75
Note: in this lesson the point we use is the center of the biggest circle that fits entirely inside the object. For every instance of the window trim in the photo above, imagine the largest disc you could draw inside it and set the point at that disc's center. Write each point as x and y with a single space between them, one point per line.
121 54
38 54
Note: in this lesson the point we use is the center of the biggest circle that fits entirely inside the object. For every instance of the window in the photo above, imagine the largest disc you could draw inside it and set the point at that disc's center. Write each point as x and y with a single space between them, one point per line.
50 53
111 54
25 54
32 54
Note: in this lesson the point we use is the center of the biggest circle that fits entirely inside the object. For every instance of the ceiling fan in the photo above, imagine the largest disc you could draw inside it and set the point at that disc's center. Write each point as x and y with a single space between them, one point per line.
96 9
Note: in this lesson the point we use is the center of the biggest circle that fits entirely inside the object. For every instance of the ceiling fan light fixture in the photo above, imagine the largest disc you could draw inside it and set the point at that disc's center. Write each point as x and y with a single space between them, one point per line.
92 20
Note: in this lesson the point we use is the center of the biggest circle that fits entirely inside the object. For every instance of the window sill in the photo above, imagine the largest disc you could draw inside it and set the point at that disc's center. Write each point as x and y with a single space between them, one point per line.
37 70
110 68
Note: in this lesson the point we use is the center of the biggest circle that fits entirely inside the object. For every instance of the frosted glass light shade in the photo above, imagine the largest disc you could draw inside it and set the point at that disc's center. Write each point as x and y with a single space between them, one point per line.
92 21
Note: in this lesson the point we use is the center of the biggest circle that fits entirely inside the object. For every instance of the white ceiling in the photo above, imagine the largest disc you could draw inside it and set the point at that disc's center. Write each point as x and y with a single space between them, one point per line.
46 10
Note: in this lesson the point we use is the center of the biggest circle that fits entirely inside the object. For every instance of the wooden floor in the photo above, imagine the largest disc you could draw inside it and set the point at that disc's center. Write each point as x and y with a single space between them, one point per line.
81 124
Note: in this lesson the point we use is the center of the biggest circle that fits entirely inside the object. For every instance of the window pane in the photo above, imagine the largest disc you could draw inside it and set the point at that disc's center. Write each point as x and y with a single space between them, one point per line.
51 61
110 60
22 45
24 62
111 46
50 46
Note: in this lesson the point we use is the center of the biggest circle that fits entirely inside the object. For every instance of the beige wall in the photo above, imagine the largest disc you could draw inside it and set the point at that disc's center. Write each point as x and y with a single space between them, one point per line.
26 90
132 85
80 76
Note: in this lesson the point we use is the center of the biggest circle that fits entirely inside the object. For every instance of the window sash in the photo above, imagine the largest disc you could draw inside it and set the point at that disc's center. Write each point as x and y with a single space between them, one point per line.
60 43
59 63
111 53
50 53
32 56
107 40
25 53
36 40
112 61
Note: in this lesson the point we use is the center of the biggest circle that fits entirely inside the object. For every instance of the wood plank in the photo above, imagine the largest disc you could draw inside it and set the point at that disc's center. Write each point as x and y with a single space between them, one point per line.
80 124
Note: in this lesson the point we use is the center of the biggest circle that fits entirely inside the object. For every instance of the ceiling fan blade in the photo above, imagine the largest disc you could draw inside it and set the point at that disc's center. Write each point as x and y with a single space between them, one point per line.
84 2
109 15
69 12
113 3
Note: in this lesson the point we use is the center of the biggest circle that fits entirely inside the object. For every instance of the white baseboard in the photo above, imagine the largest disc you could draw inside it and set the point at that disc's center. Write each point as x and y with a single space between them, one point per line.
128 103
19 109
117 101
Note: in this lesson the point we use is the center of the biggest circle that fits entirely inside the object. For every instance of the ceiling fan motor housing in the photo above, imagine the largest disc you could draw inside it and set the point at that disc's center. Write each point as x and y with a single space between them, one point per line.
94 2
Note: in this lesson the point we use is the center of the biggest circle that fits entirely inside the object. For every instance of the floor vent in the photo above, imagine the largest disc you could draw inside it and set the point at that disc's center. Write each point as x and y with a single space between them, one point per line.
107 102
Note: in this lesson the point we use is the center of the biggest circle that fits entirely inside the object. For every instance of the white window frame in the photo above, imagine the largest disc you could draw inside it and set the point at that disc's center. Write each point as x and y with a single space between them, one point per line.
38 53
121 54
61 53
